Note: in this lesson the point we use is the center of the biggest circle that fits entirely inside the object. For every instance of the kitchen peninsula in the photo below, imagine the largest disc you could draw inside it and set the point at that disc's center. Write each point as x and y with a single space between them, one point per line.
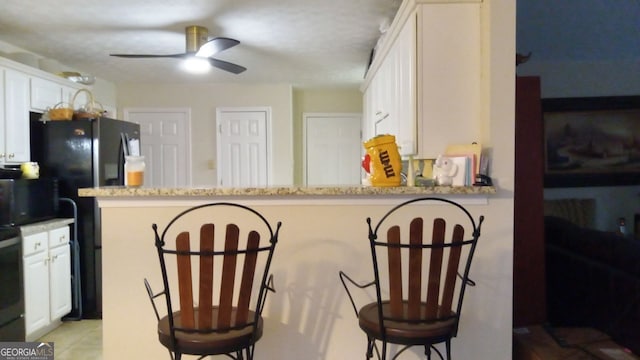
323 231
141 192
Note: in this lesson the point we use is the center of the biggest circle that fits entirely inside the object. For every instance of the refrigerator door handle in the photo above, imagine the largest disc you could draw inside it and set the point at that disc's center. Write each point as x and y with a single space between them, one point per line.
124 143
123 150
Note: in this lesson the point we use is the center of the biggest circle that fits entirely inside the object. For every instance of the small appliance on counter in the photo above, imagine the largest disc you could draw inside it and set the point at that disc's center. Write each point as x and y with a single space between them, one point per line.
25 201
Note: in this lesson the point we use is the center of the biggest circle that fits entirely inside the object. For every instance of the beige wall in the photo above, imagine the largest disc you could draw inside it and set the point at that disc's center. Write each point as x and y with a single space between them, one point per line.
203 99
309 316
319 101
288 108
317 239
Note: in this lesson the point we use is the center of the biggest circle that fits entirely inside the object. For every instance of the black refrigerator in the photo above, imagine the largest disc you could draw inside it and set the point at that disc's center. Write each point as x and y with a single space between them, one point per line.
83 154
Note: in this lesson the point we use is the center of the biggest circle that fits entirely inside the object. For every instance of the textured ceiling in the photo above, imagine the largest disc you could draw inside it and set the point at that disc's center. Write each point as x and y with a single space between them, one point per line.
301 42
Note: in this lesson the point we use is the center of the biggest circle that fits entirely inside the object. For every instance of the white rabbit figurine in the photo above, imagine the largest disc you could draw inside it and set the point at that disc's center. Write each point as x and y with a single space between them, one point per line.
444 170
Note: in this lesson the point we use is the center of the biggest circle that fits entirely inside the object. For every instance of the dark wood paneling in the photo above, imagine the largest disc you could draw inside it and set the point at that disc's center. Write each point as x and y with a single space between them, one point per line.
529 304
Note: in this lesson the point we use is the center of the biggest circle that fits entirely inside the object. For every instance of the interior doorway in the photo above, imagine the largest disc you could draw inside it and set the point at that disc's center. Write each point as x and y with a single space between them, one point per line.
242 151
165 142
332 149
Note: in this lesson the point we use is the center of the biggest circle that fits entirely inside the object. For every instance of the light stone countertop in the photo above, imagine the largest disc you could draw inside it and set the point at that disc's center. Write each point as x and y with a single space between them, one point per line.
331 191
43 226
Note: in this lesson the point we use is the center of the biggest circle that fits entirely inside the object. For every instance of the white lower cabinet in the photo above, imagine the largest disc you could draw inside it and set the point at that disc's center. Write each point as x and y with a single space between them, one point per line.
36 284
47 280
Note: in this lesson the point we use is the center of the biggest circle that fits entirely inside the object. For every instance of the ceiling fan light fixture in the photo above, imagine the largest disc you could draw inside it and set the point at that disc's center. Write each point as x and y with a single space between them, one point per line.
199 52
196 36
196 65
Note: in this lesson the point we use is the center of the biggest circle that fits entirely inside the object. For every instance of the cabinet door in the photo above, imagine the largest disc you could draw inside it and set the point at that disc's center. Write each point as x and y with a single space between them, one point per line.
16 97
405 94
60 281
383 82
44 94
36 292
449 79
67 94
367 114
2 117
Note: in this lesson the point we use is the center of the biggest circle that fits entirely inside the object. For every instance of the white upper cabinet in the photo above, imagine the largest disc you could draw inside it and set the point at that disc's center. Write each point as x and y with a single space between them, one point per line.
390 97
449 76
424 84
16 117
404 51
45 94
2 117
24 89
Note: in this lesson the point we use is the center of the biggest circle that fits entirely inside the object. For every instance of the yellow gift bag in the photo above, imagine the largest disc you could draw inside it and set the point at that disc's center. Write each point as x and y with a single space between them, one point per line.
385 160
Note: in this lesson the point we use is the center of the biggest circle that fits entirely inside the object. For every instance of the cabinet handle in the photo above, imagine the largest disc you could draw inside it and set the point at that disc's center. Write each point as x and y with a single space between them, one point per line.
37 245
382 118
11 156
54 258
2 155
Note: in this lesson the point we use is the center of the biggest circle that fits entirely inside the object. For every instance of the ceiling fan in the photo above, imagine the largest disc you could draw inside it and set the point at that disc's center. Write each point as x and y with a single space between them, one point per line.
199 45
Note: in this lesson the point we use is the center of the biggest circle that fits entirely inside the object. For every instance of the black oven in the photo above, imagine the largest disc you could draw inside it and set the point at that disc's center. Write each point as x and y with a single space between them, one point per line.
12 327
25 201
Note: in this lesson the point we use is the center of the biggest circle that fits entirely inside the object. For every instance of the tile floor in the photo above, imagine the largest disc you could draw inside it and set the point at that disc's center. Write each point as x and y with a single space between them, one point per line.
75 340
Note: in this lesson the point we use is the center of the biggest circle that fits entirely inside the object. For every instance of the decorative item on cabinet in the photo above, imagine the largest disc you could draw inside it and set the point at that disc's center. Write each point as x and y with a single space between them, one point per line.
92 109
60 111
78 78
70 111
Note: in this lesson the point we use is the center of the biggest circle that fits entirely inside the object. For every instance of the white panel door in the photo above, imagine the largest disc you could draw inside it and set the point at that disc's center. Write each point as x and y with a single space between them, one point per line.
242 148
333 148
164 143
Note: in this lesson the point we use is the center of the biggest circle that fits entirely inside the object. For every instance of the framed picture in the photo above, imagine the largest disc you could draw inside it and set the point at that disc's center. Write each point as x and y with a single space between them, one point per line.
591 141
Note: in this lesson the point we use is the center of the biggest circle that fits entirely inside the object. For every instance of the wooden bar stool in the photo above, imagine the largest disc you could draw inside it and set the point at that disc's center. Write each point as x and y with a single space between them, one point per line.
220 307
423 278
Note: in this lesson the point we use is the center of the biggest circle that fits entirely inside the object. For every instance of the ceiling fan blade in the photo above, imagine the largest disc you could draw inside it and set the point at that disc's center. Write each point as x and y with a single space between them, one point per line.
146 56
227 66
216 45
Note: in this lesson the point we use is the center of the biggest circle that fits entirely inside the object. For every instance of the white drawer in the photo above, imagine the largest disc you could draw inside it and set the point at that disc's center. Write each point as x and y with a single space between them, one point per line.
35 243
58 236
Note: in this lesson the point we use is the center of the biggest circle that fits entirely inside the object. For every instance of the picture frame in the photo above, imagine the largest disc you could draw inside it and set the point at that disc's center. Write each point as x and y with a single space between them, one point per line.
591 141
